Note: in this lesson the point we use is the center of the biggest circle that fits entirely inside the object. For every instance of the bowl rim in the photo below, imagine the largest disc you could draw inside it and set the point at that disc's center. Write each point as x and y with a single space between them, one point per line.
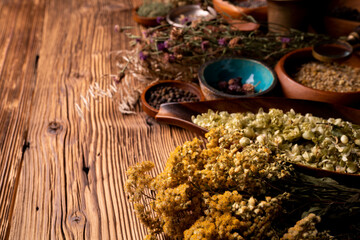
221 5
168 17
151 111
226 95
145 21
135 9
280 69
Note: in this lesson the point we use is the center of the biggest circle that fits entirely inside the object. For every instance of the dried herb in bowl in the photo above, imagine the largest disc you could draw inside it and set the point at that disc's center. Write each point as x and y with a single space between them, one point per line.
154 9
234 86
165 94
331 77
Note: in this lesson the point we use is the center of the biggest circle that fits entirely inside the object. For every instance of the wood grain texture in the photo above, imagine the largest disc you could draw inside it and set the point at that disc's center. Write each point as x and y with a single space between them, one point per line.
62 177
20 29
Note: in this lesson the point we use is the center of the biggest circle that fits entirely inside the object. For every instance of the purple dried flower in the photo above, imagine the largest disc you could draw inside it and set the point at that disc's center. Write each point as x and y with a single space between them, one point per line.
160 46
147 33
204 44
137 40
285 40
159 19
142 56
171 58
184 20
222 41
166 44
117 28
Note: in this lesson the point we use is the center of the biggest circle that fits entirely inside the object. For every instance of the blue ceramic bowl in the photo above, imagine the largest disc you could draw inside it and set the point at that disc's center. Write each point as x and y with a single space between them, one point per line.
250 70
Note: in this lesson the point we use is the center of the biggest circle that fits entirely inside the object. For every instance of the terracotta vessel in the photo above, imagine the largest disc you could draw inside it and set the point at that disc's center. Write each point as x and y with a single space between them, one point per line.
145 21
151 111
337 27
287 66
285 14
230 11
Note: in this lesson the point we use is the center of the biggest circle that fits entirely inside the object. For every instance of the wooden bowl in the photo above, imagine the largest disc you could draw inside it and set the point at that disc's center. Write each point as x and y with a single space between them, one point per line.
337 27
288 65
151 111
179 114
230 11
145 21
244 26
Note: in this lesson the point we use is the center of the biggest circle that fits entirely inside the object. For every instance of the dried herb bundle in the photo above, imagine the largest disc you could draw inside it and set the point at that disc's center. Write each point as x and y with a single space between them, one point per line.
229 192
337 204
177 53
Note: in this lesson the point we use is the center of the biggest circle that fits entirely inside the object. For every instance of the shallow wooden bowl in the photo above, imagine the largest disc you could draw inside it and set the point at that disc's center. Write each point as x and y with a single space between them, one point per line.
179 114
337 27
287 66
151 111
145 21
230 11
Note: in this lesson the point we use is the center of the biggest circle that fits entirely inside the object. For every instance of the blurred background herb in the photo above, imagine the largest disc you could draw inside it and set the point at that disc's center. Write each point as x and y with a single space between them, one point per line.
169 52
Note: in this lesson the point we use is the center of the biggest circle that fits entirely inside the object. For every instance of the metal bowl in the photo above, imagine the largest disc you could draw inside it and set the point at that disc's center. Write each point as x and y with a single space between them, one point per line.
184 15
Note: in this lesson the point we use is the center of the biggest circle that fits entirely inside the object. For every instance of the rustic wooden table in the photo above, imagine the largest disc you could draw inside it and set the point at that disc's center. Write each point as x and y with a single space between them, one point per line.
62 177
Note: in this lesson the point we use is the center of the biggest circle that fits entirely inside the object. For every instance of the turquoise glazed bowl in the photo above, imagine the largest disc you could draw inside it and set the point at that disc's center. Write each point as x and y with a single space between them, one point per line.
251 71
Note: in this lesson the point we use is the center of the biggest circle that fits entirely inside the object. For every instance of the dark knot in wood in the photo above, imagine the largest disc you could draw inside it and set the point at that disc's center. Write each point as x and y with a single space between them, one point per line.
55 127
77 218
86 170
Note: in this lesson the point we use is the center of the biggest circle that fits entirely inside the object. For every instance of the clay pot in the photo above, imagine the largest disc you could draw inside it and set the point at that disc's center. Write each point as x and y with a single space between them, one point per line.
151 111
285 14
337 27
145 21
288 65
230 11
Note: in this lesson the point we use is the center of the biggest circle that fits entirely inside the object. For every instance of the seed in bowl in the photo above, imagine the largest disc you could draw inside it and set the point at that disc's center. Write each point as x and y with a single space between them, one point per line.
165 94
331 77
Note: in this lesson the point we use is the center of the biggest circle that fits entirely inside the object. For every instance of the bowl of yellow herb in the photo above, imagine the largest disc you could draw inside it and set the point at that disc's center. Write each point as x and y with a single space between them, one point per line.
150 14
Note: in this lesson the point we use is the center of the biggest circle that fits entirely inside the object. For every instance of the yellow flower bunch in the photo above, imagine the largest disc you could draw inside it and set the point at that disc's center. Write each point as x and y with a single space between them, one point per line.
220 191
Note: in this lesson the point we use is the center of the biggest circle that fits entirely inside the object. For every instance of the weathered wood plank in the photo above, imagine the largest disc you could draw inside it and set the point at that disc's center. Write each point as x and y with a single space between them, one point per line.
20 29
71 183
